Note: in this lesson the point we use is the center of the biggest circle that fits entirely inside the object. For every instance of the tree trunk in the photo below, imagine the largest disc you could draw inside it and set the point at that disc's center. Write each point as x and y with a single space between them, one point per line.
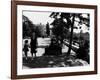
71 35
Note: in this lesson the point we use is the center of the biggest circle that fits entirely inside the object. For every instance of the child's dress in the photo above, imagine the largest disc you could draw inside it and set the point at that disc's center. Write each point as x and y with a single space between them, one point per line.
25 49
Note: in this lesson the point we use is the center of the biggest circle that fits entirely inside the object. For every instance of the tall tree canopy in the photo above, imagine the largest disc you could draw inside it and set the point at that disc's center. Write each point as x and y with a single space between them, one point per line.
65 21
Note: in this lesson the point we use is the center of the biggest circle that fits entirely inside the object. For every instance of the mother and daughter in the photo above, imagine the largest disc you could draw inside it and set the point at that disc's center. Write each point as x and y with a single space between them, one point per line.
33 46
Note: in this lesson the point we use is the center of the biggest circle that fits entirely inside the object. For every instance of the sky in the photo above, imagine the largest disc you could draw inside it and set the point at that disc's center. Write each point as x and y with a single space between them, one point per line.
38 17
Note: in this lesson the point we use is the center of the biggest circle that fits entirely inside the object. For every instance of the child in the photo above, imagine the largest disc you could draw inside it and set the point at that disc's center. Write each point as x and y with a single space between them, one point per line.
25 49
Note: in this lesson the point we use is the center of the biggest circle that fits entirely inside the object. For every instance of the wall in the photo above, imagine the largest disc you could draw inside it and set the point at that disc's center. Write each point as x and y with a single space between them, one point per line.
5 40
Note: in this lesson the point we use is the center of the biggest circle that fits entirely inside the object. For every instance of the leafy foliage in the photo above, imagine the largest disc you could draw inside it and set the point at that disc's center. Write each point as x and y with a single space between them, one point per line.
29 27
65 21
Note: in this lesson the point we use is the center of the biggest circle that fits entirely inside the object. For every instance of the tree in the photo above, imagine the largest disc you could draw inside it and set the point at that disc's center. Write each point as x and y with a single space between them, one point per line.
28 27
71 35
59 25
40 30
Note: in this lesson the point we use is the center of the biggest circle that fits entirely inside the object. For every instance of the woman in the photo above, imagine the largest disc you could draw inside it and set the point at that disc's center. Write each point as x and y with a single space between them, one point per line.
33 44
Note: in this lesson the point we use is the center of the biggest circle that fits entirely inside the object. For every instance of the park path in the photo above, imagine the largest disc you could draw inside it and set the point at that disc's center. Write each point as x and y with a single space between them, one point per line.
42 44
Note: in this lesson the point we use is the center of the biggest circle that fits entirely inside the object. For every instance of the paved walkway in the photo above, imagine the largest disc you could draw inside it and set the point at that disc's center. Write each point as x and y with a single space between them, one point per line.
42 44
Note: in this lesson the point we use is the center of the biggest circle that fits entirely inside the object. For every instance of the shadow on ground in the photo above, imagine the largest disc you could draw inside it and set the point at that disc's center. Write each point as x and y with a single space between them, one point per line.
53 61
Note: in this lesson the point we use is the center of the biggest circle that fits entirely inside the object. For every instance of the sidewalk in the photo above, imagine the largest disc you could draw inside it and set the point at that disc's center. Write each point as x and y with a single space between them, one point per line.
45 42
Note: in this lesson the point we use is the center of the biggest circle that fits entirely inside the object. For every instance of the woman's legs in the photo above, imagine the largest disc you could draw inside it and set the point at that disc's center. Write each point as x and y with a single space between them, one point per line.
35 55
32 55
26 55
33 52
